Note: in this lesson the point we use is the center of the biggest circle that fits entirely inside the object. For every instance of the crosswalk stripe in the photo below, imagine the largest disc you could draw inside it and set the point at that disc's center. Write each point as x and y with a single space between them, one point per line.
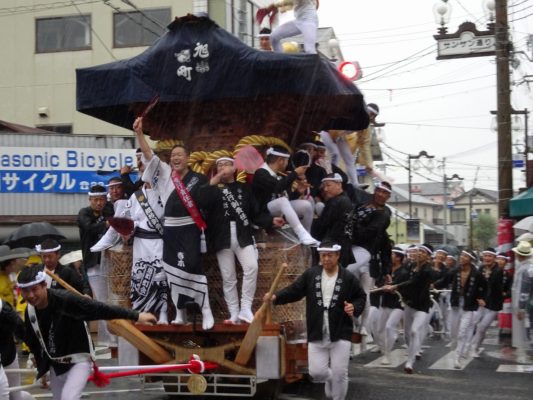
446 362
515 368
397 358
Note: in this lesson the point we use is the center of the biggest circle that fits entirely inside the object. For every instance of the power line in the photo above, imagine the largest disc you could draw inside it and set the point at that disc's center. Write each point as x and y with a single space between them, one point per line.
94 31
437 126
518 19
6 11
444 95
433 85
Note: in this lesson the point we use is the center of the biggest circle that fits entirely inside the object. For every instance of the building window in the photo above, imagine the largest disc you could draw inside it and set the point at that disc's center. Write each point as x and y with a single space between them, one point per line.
63 34
487 211
135 29
60 128
458 216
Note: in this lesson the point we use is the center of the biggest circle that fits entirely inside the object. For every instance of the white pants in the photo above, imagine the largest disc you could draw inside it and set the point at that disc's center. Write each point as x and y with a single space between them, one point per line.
372 324
98 282
414 321
308 28
483 317
341 149
388 327
292 210
226 262
70 385
4 392
444 304
361 272
462 328
13 380
329 362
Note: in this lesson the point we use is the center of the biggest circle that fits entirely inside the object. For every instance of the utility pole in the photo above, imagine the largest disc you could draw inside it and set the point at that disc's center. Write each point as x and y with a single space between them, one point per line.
505 162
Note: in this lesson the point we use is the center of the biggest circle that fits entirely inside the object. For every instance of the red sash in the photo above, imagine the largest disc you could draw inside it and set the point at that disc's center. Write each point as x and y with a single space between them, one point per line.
189 204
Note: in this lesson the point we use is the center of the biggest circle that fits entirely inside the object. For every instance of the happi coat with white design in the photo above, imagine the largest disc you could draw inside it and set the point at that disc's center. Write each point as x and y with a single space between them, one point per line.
309 285
149 287
233 202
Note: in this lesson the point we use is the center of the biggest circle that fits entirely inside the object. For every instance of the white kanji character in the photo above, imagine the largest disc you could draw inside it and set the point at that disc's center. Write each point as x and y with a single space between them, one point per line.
48 181
201 50
10 179
183 56
202 67
185 72
30 182
66 182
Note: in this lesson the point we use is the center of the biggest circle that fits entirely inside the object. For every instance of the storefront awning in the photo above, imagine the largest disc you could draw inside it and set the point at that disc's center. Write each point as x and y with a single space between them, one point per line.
522 205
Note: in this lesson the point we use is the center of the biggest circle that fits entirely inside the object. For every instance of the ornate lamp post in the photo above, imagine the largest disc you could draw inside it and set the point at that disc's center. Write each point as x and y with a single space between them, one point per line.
421 154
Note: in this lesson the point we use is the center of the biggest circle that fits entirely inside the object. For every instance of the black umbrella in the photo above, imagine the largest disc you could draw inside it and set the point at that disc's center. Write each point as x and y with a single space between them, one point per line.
30 235
210 84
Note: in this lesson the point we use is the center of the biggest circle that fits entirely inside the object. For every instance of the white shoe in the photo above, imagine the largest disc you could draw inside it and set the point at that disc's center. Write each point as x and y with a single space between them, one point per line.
476 353
207 317
163 319
246 315
180 318
457 363
385 360
305 238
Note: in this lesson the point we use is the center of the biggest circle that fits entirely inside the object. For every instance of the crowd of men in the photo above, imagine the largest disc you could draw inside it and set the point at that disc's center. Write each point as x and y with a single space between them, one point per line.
171 215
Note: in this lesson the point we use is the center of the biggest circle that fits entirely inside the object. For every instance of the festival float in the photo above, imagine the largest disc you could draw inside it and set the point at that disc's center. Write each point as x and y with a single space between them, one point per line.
202 86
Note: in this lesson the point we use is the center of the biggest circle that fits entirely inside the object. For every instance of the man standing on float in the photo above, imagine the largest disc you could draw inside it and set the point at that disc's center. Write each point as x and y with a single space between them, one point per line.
183 230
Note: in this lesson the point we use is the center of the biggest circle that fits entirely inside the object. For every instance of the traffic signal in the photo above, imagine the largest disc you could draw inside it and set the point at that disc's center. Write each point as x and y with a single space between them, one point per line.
351 70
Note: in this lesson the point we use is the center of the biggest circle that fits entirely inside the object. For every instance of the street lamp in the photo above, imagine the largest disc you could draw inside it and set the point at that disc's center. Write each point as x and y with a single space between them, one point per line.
442 12
473 215
421 154
445 179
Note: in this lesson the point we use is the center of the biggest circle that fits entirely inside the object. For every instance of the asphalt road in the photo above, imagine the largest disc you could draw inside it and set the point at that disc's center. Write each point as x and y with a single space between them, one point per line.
434 378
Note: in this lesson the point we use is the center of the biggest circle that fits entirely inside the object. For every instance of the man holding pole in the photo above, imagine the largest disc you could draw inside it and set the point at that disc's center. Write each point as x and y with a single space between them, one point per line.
57 333
333 298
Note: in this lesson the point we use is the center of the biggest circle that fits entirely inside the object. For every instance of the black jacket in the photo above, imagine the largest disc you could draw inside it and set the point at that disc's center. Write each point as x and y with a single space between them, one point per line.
415 292
92 228
72 277
220 213
347 289
266 187
391 300
474 290
498 284
10 325
64 318
331 225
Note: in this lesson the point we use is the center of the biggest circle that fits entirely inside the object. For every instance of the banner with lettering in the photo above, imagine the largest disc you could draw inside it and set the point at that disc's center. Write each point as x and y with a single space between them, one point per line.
59 169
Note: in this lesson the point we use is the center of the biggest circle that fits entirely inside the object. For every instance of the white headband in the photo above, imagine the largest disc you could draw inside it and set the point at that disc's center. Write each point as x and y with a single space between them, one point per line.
492 253
381 186
421 246
41 250
335 178
115 183
224 159
503 256
273 152
452 257
262 35
469 254
94 194
308 144
335 247
398 251
442 251
372 110
40 277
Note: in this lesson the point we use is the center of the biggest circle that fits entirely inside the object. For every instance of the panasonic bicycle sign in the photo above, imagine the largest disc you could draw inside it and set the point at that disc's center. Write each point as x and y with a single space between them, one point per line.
59 170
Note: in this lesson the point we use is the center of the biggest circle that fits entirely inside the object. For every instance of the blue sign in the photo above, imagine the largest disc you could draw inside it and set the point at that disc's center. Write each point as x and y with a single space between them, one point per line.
59 169
518 163
50 181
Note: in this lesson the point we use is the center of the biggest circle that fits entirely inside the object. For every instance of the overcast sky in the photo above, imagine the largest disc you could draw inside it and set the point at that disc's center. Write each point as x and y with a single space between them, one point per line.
442 107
